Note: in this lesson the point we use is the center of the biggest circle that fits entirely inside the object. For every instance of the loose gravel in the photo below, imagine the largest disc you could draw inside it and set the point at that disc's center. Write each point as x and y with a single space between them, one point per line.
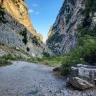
29 79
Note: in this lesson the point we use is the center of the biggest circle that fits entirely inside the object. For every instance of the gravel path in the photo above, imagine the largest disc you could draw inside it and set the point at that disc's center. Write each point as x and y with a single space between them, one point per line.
28 79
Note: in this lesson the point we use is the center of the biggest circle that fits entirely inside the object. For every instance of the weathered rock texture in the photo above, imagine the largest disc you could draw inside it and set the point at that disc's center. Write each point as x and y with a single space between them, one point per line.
63 37
18 10
83 76
80 83
16 35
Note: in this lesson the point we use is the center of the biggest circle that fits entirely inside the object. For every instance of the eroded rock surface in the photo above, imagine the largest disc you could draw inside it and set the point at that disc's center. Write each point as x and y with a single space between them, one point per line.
18 10
83 76
80 83
62 38
16 35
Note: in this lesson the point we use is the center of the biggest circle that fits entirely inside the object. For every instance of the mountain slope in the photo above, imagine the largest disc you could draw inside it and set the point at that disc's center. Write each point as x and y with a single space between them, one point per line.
63 37
16 35
18 10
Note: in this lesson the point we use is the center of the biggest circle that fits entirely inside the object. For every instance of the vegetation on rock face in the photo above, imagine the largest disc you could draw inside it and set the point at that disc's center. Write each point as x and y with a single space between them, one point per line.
55 37
85 52
35 41
90 8
11 54
5 60
28 49
24 34
2 18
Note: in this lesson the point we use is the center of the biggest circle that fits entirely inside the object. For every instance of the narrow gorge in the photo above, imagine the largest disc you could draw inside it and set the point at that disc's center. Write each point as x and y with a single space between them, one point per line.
65 65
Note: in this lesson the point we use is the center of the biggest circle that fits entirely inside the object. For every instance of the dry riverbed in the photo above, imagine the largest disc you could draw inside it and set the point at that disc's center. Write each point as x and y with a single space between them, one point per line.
28 79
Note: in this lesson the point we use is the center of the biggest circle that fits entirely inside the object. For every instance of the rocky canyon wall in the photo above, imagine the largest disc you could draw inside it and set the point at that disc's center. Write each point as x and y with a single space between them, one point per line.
18 10
62 37
13 31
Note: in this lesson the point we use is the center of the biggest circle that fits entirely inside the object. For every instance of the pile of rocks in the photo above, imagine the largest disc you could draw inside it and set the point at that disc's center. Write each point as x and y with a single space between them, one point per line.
82 77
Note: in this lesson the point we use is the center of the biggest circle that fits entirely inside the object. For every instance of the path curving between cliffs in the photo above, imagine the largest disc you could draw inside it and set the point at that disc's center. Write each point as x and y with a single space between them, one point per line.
28 79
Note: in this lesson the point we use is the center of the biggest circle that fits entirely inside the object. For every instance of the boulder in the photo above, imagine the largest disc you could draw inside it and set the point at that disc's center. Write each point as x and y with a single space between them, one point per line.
56 69
80 83
85 72
82 77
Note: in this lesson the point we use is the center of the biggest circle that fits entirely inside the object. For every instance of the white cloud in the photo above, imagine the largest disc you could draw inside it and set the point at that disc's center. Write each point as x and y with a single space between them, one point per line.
30 11
37 13
34 5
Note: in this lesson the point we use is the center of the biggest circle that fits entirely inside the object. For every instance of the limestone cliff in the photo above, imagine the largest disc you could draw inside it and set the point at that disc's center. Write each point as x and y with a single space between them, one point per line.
16 35
18 10
39 36
63 37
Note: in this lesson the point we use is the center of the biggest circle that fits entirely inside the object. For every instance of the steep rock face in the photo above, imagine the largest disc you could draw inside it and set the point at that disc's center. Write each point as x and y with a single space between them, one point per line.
49 33
40 37
63 37
18 10
16 35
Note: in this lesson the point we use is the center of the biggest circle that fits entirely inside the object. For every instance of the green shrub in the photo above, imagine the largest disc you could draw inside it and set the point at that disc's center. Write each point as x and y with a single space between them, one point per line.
46 55
66 64
8 57
25 40
24 34
2 18
86 31
4 62
35 41
33 60
90 6
28 49
84 54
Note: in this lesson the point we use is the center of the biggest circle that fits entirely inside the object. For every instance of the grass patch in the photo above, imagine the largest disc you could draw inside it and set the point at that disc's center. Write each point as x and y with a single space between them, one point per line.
52 61
4 62
6 59
32 60
11 57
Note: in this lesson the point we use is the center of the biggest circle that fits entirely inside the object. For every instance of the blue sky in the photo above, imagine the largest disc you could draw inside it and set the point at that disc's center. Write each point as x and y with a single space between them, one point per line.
43 14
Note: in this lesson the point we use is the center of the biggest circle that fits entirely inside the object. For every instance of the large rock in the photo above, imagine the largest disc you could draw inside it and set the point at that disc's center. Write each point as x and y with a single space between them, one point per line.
82 76
87 72
80 83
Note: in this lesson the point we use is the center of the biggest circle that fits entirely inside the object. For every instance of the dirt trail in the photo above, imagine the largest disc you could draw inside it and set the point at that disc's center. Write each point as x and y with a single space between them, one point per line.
28 79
